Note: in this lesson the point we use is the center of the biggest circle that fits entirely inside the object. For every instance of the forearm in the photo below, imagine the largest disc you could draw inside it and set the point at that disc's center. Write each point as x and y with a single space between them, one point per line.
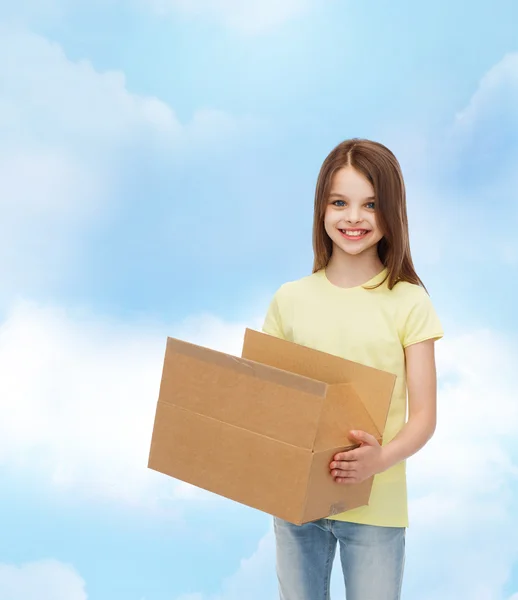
415 434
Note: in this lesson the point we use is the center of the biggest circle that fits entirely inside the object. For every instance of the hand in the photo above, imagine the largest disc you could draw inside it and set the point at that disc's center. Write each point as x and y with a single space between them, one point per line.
355 466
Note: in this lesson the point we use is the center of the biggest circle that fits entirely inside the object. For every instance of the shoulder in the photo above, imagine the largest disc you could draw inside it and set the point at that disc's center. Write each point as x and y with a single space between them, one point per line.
409 299
279 317
409 293
416 316
291 290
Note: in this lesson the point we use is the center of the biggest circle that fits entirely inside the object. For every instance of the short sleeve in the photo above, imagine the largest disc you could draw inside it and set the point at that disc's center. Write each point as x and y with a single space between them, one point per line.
422 322
273 322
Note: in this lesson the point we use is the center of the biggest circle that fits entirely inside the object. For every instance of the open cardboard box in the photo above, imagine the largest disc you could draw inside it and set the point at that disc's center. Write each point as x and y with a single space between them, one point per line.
262 429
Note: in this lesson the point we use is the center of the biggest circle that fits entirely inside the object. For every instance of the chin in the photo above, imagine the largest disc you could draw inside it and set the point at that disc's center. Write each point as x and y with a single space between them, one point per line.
354 250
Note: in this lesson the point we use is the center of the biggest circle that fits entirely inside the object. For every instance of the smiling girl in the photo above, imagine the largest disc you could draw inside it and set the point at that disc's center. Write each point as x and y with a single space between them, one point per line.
363 302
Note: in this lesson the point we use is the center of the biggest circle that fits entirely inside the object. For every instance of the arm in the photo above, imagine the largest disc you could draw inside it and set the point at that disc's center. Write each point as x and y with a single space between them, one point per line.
371 458
422 405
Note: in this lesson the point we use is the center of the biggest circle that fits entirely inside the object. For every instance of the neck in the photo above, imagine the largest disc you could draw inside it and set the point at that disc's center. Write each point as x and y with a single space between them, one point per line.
347 270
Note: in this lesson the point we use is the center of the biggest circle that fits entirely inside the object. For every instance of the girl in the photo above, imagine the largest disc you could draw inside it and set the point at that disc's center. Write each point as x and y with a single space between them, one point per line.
363 302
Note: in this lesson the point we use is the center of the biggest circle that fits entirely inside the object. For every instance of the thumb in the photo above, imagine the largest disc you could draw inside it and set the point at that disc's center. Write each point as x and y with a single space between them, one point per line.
364 438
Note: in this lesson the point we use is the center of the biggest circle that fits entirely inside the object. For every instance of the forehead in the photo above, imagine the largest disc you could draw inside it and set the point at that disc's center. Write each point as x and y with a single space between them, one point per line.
347 181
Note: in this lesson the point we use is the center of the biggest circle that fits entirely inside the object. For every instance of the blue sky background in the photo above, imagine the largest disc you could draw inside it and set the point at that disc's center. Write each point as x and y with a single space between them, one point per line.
157 169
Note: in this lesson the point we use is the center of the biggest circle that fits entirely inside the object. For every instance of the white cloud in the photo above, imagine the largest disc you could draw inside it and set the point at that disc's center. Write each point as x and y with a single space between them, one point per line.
484 141
78 399
496 96
471 163
254 579
47 96
484 134
478 414
462 483
63 126
68 132
252 17
44 580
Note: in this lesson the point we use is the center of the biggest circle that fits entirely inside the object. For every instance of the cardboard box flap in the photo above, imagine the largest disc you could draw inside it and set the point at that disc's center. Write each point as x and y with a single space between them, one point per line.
254 397
375 387
343 411
213 358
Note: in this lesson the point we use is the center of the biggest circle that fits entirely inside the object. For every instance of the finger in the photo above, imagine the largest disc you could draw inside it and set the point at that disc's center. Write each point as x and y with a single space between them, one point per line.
347 456
344 475
348 466
345 472
363 436
345 480
344 466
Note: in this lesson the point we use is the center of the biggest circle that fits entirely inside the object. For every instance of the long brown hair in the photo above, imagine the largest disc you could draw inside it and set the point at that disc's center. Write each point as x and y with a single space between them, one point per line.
379 165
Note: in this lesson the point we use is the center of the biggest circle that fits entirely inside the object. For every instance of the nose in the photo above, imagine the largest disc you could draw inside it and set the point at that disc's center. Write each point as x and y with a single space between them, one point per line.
353 216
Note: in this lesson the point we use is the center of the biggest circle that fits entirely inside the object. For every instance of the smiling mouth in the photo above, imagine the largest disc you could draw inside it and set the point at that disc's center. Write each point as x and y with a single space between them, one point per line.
354 234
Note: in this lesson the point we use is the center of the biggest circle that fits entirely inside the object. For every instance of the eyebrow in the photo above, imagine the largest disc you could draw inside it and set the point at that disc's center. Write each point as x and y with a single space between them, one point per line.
342 196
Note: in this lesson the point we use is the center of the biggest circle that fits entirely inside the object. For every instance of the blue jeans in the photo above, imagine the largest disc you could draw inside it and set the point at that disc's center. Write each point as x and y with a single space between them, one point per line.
372 559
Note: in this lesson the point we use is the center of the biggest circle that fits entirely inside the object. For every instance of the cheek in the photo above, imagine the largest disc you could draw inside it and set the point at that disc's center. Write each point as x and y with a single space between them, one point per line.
329 221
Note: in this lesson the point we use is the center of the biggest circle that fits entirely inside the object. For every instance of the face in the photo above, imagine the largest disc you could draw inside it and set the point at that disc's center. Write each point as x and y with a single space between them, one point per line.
350 217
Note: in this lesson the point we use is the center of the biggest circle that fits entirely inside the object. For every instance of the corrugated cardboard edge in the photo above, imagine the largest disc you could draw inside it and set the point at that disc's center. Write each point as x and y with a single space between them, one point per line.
353 401
152 440
175 346
250 334
335 508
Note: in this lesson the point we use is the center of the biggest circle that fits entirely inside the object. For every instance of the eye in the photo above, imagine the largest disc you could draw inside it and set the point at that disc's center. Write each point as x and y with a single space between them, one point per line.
339 203
371 205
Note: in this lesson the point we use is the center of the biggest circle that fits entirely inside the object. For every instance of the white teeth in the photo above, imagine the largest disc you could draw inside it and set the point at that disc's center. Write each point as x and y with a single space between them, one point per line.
354 233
